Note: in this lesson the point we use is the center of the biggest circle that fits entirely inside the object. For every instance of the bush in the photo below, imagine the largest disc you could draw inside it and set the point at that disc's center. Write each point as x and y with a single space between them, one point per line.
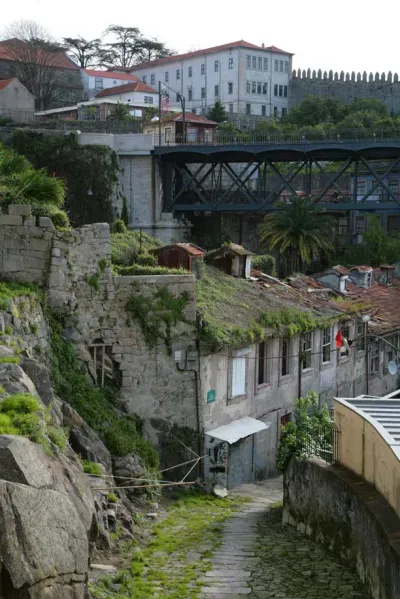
20 404
92 468
118 226
57 436
9 360
59 217
265 263
128 245
112 498
138 269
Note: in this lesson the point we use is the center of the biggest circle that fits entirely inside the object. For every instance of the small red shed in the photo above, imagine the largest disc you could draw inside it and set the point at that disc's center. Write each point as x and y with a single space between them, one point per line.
180 255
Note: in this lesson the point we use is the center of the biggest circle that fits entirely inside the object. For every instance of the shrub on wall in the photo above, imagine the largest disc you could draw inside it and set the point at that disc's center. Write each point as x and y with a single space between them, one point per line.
265 263
90 172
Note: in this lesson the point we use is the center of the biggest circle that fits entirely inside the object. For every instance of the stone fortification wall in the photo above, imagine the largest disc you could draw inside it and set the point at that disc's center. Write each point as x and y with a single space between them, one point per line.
335 507
345 87
75 269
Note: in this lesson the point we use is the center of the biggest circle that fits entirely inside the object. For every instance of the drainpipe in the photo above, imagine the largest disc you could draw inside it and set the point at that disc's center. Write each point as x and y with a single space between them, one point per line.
197 399
299 373
366 354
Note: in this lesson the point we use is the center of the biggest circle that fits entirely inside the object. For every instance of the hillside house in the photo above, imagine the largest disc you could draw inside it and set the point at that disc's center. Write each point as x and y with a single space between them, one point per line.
16 101
56 70
137 94
180 255
95 81
198 129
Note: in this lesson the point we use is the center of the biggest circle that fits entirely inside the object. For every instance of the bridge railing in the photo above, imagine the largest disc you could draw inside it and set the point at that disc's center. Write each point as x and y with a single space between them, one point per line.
212 138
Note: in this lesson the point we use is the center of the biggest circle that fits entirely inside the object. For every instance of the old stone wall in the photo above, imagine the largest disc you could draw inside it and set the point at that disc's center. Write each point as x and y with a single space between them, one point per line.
75 269
345 87
335 507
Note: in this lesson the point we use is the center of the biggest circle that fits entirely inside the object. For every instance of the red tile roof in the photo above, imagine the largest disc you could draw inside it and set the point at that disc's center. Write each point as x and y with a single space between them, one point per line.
13 50
6 82
362 268
136 86
189 118
342 270
111 75
190 248
175 57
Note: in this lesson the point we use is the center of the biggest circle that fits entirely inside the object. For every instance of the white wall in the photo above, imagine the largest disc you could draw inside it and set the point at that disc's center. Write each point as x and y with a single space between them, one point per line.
89 82
134 98
237 75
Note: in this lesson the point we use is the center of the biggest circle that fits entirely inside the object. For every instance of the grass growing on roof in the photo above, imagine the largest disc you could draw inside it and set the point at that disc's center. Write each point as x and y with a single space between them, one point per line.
194 522
235 311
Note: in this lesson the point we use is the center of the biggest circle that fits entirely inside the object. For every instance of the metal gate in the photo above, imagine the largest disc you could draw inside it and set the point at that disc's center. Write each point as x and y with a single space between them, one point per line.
241 462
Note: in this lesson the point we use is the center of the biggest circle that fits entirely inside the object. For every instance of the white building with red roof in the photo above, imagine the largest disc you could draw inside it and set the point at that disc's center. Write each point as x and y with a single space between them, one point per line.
95 81
134 93
248 79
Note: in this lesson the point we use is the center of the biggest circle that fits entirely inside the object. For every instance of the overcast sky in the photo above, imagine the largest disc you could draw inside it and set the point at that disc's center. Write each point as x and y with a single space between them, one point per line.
339 35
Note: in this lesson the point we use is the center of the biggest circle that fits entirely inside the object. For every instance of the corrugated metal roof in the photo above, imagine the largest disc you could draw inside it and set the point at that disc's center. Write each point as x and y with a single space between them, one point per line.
239 429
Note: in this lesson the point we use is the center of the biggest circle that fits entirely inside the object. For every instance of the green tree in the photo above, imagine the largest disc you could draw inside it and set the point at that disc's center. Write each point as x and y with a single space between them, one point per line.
120 113
315 110
217 113
300 230
84 52
129 47
309 435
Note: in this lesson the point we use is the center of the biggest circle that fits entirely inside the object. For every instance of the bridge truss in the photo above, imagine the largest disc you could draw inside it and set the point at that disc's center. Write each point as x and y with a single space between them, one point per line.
260 178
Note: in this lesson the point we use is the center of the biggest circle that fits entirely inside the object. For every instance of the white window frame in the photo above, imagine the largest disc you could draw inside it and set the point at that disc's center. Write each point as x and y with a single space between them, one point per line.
265 64
343 355
327 345
152 79
390 352
202 69
148 100
238 373
360 337
98 83
190 72
306 350
178 74
230 63
264 366
374 358
276 62
166 76
285 357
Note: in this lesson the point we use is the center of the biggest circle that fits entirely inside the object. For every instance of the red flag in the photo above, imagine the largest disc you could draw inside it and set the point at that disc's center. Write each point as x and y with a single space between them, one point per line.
339 340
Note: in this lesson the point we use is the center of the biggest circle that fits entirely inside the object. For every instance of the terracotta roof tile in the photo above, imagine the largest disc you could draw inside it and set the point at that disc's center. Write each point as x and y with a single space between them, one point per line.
9 50
362 268
190 248
111 75
176 57
7 82
136 86
189 118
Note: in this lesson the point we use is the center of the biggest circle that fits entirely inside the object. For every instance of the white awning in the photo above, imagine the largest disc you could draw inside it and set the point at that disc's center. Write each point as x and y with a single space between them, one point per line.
238 429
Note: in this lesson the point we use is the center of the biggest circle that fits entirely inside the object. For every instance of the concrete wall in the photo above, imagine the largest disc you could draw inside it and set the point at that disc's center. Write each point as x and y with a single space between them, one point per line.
345 87
368 450
337 508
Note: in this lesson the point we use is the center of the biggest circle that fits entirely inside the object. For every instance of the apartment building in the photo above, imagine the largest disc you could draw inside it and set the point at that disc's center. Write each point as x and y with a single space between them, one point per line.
248 79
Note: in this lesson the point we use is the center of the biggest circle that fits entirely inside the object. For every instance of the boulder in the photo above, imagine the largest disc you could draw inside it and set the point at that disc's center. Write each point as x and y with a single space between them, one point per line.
47 523
84 440
14 380
5 352
39 375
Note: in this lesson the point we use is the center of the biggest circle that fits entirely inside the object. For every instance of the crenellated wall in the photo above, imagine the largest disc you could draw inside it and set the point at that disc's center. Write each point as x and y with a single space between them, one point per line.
345 87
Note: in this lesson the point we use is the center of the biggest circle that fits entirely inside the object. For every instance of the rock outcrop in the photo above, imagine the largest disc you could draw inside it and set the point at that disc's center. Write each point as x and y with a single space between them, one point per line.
47 521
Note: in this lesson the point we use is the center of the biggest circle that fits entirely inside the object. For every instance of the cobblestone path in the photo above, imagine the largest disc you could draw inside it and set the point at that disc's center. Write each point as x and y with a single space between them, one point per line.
260 559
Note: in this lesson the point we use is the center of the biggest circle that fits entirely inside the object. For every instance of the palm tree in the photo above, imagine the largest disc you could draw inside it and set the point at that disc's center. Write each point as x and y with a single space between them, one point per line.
299 231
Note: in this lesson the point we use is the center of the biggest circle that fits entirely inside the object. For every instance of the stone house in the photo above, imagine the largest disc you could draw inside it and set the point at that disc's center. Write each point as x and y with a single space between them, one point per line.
16 101
198 129
63 71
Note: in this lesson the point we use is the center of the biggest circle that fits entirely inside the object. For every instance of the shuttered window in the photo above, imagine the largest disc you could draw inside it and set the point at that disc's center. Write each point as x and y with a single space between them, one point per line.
239 370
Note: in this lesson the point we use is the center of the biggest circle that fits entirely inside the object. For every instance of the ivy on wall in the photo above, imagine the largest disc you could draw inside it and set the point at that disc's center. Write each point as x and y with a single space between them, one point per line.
90 172
157 315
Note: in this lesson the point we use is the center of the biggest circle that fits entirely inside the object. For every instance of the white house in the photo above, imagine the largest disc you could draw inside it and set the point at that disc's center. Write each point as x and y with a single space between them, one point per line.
248 79
94 81
136 94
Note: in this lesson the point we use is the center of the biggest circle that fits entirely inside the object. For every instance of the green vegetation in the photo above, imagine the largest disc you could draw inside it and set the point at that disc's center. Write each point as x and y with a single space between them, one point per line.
300 231
21 183
112 498
92 468
265 263
132 247
138 269
217 113
120 433
10 360
378 247
93 281
59 217
8 329
316 117
194 521
157 315
23 415
9 291
223 300
90 174
309 435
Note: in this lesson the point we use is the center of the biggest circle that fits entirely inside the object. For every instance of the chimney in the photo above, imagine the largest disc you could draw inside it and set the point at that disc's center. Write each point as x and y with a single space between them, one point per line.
263 45
361 276
386 277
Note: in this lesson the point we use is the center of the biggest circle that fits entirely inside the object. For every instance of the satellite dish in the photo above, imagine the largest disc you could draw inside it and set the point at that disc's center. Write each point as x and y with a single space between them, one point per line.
392 367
